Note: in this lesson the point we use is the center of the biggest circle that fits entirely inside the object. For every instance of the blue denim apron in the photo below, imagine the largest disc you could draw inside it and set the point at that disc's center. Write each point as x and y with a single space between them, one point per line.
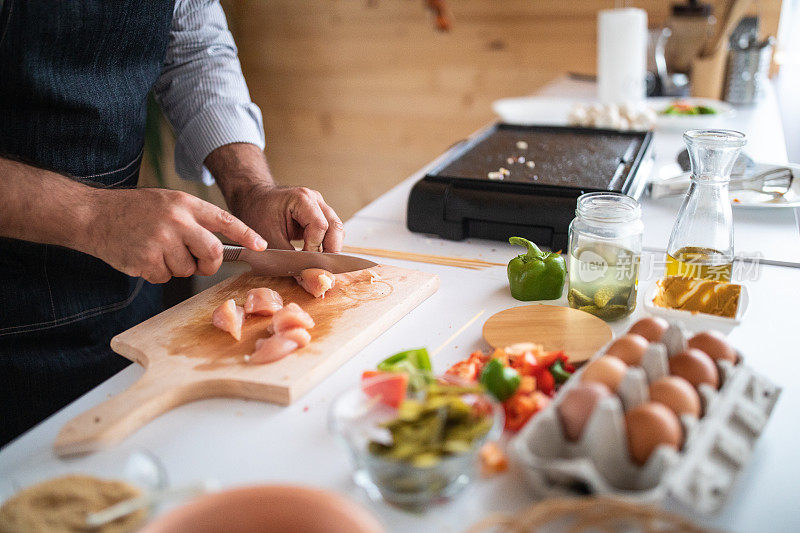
74 78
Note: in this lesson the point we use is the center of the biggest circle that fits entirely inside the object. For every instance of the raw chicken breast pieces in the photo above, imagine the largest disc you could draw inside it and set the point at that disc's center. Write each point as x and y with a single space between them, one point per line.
262 301
290 323
229 317
316 281
291 316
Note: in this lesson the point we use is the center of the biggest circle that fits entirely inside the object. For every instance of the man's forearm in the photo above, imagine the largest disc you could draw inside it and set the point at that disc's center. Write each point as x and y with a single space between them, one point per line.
238 168
42 206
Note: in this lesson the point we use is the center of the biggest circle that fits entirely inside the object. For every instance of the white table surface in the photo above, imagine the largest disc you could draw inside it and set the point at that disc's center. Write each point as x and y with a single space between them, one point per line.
240 442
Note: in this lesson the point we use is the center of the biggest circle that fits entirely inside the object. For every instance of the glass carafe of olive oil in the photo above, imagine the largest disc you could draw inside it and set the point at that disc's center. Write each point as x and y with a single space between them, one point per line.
701 243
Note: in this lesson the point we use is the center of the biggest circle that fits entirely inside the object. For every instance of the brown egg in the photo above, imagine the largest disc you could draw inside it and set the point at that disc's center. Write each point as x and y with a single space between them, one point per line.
677 394
651 328
695 367
630 348
649 426
608 370
715 345
577 406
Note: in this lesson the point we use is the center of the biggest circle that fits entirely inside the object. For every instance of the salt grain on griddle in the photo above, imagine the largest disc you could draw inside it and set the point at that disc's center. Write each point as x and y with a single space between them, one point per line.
522 145
520 160
530 164
510 160
504 171
495 175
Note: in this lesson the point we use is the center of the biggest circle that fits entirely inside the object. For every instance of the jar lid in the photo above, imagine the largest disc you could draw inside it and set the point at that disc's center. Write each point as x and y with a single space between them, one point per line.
692 9
608 207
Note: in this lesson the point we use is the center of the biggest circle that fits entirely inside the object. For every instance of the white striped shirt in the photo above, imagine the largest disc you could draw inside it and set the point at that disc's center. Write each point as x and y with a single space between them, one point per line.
201 88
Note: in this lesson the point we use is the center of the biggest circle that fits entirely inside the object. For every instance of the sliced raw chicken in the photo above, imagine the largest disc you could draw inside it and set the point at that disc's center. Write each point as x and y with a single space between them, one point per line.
272 349
356 276
229 317
262 301
316 281
299 335
289 317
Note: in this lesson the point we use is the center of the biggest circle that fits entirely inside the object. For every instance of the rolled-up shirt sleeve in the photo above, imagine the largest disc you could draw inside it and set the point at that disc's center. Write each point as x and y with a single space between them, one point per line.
201 88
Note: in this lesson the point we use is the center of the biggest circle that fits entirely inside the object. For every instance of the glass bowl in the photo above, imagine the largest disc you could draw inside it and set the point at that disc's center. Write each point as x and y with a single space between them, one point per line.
358 419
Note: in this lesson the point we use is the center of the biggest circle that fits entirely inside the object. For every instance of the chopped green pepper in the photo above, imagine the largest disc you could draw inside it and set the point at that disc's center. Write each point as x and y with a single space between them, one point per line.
416 363
500 380
559 372
418 357
536 275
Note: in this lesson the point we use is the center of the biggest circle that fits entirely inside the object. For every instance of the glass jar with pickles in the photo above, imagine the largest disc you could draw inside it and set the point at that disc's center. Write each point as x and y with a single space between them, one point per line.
605 248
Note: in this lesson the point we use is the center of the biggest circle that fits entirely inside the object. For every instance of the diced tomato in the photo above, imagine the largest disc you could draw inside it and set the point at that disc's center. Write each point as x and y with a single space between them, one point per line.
547 383
547 359
466 370
527 365
390 387
493 459
521 407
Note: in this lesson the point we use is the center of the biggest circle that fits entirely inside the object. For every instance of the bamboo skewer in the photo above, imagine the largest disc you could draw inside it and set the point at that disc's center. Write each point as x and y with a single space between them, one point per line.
462 262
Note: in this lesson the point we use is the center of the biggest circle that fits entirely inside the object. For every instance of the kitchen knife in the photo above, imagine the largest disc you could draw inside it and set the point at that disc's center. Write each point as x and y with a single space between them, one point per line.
291 262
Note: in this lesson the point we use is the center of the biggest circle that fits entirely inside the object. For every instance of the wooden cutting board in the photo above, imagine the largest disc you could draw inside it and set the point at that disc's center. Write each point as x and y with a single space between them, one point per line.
579 334
187 359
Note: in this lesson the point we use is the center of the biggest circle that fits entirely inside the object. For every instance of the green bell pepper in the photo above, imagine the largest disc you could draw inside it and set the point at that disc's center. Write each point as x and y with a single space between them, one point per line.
536 275
500 380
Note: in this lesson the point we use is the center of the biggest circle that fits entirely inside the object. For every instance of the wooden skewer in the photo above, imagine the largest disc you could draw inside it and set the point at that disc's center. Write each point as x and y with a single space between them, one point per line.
462 262
457 333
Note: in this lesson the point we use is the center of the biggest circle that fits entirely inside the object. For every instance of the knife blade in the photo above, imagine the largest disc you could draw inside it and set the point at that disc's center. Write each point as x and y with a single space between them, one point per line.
291 262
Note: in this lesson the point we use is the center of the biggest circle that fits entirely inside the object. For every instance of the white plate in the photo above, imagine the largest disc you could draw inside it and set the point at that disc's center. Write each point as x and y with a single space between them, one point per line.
696 322
534 110
688 122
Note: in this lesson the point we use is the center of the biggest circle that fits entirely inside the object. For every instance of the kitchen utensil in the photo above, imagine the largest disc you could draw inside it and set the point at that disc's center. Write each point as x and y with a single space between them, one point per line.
748 72
462 262
708 69
292 262
579 334
269 509
774 181
547 168
186 358
692 24
147 499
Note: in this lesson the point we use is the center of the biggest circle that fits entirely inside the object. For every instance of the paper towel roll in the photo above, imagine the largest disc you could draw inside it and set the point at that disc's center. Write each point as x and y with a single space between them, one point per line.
621 55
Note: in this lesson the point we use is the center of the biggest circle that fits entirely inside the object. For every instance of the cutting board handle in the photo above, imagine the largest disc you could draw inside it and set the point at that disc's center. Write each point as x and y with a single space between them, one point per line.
121 415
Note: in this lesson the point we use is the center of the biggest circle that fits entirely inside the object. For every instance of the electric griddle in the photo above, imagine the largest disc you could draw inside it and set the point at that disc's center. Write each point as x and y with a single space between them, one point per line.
524 181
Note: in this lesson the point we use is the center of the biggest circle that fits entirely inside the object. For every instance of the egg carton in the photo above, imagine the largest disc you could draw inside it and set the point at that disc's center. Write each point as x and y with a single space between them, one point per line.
716 447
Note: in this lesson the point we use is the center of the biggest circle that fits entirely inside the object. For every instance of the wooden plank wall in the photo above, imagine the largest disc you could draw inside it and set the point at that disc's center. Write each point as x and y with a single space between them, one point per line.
358 94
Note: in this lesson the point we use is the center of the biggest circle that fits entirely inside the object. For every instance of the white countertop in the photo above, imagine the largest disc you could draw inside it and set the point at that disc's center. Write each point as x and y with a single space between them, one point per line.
240 442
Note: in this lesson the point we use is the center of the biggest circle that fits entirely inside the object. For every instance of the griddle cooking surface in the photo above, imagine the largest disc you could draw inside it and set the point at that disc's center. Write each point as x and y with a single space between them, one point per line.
573 158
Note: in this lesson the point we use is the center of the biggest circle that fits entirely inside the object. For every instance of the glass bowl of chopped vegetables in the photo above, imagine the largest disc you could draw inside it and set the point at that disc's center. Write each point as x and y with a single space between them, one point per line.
414 444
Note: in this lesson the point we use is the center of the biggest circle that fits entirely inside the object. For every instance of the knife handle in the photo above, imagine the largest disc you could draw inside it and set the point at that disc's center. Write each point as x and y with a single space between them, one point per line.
231 253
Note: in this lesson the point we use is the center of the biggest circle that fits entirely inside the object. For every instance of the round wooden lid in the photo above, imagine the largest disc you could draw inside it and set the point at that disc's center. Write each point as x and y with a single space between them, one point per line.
579 334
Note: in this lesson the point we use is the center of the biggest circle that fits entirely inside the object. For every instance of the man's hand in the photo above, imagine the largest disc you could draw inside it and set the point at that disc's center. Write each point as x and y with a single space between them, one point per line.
153 233
280 214
284 214
158 233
